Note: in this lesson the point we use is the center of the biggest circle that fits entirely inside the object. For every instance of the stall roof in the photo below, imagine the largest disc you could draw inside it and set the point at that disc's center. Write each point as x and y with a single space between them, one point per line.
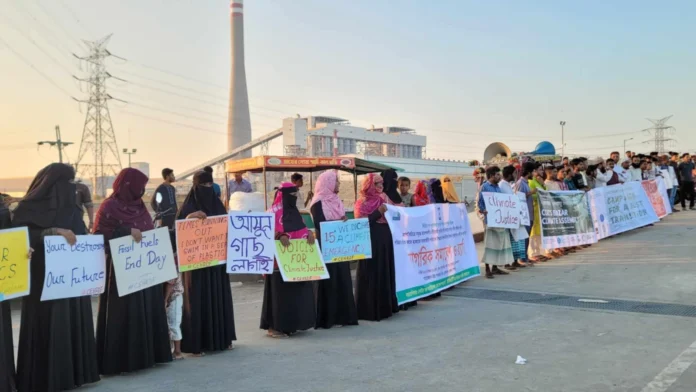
305 164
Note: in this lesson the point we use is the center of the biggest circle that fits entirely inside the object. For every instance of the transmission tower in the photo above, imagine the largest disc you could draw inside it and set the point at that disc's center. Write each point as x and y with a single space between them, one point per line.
98 158
661 133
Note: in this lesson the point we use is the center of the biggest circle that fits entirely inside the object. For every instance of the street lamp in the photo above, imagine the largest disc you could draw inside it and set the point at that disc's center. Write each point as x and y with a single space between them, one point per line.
563 123
625 145
129 153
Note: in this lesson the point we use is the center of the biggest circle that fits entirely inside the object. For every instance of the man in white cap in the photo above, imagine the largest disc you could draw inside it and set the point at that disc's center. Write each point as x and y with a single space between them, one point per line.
623 171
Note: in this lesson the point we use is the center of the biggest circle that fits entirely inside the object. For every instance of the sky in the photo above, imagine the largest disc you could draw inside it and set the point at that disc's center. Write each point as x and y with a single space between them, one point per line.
463 73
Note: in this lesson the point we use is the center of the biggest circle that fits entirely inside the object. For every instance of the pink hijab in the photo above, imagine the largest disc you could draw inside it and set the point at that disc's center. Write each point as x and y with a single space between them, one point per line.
370 198
325 192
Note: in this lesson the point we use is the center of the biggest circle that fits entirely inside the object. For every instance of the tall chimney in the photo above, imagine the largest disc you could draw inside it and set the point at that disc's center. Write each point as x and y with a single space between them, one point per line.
238 118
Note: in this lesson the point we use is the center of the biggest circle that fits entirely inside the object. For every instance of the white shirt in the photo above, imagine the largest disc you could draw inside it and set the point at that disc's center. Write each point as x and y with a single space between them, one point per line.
505 187
636 174
300 200
624 175
602 178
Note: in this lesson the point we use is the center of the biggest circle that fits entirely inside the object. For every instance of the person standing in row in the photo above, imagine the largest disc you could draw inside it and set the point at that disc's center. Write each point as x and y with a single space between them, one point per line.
56 340
335 300
208 319
449 194
375 280
83 199
216 187
519 249
420 194
288 307
522 186
536 250
498 250
686 176
132 330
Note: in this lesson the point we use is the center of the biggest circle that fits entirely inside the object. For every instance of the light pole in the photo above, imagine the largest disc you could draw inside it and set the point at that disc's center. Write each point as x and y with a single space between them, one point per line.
563 123
129 153
625 145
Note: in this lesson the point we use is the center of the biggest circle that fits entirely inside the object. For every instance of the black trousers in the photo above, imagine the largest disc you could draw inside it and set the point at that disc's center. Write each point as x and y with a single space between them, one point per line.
687 192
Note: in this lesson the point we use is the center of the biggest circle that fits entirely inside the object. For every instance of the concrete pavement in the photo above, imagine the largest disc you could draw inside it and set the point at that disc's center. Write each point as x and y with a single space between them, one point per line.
464 344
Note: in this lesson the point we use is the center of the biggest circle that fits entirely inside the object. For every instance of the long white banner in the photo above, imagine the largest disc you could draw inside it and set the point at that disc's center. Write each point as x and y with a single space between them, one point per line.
433 249
619 208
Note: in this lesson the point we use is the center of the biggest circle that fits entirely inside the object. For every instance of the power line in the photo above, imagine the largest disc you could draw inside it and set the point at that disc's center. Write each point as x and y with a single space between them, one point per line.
60 26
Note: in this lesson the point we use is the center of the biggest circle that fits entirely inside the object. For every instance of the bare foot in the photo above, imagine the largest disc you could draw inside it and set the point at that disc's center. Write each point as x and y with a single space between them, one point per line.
178 356
231 347
276 335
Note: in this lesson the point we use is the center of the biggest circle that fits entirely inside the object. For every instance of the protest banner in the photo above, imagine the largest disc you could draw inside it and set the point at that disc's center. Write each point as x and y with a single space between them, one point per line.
74 270
503 210
619 208
433 249
14 263
251 243
524 210
139 265
300 261
201 243
565 219
662 187
346 241
654 197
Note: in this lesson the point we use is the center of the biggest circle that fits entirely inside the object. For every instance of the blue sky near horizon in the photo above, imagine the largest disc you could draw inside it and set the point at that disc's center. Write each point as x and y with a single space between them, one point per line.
463 73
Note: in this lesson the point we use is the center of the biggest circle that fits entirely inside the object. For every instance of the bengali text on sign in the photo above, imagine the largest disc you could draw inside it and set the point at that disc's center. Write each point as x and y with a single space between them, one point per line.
251 243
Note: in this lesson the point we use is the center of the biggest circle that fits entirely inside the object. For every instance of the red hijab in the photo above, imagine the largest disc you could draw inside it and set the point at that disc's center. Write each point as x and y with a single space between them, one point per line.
125 207
370 198
420 195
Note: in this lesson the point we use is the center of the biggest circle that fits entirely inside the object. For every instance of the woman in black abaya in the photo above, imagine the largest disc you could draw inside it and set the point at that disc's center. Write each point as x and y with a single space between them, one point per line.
56 340
375 292
7 367
288 307
335 301
208 321
132 330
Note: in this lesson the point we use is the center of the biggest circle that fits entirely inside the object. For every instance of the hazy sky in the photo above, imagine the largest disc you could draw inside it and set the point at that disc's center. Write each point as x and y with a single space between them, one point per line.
464 73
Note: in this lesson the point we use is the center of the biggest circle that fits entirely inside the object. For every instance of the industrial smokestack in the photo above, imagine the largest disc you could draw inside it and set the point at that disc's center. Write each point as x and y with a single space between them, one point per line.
238 118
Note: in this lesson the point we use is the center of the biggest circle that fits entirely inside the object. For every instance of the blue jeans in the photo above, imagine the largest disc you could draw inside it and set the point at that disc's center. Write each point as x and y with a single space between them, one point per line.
672 196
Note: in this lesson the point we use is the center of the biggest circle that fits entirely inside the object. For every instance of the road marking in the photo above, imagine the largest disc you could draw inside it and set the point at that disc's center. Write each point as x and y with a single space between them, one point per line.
673 371
593 301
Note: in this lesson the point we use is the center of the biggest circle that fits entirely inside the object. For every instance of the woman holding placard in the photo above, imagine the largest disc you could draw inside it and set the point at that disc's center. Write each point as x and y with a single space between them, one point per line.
56 339
376 286
288 307
208 319
7 366
335 301
132 330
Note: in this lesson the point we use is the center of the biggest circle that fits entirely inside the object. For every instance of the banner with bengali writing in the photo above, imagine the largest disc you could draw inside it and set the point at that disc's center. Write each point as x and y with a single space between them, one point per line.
250 243
139 265
201 243
655 197
433 249
346 241
14 263
74 270
565 219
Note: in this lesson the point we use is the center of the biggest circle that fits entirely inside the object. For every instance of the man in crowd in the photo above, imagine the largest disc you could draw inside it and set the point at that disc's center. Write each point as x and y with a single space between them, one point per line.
629 154
238 184
522 186
670 179
635 170
608 167
579 179
624 171
498 250
167 207
216 187
614 156
685 172
564 163
83 198
404 187
298 181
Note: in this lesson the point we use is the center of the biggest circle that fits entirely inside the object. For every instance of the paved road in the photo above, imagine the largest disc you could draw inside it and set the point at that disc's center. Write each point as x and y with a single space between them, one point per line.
618 316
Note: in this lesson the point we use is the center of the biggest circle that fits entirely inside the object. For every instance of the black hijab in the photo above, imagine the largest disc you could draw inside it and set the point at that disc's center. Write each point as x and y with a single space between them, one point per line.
202 198
50 200
391 185
436 187
292 219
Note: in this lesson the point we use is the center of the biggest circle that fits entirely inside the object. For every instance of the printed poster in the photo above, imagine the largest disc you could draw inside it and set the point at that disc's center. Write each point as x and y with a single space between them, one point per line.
619 208
565 219
251 243
139 265
655 197
74 270
346 241
433 249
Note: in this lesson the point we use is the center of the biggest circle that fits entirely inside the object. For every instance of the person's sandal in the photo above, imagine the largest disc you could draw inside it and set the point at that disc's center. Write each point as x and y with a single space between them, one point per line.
277 335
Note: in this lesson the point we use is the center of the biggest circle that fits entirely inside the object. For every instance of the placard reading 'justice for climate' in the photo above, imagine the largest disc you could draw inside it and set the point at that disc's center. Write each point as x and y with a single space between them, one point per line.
74 270
346 241
139 265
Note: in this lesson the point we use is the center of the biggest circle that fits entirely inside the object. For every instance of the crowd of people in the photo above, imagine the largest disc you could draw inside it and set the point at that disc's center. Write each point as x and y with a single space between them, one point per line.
504 248
60 348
